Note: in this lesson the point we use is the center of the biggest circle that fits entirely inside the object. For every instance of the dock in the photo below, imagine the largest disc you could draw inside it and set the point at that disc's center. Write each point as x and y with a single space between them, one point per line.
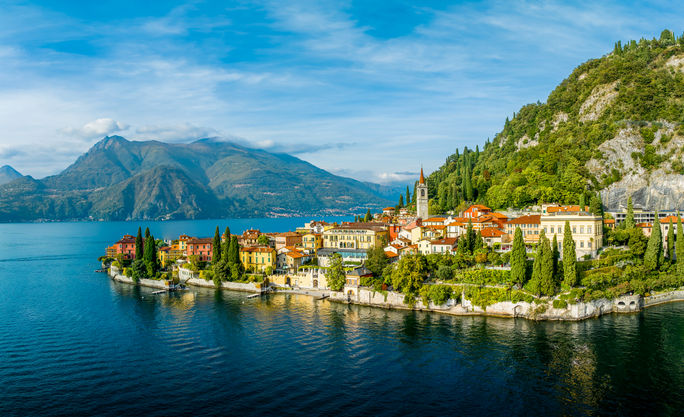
254 295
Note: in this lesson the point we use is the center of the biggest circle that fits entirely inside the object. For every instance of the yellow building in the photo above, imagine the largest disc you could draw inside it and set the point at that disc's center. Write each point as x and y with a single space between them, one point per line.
355 236
586 228
312 241
258 258
168 254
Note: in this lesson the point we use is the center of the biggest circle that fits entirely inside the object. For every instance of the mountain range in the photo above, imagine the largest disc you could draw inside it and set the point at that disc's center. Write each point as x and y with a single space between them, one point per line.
613 129
118 179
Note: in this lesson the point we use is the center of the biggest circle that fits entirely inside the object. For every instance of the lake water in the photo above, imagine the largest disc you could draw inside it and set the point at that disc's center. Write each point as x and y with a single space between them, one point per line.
73 342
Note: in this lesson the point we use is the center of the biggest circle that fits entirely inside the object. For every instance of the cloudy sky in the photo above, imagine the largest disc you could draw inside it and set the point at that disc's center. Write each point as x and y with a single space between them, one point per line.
368 89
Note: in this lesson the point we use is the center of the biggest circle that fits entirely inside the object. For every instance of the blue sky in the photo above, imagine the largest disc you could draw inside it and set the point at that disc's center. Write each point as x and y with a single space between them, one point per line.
367 89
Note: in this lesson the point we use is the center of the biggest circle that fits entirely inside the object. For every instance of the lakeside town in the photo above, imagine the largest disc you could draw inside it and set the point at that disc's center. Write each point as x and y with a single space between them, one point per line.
549 256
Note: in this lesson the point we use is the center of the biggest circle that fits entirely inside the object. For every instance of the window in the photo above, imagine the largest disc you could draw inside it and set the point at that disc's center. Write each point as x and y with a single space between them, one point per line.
582 229
588 229
581 244
589 244
574 229
422 193
552 229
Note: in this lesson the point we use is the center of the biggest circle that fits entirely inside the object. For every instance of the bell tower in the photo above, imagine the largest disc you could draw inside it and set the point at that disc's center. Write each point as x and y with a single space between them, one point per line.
422 197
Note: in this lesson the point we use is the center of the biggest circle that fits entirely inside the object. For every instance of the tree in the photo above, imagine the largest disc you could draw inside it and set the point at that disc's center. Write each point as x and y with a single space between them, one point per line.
376 260
401 200
234 251
556 257
150 256
535 284
629 218
147 232
654 247
139 245
335 275
569 258
595 206
409 276
680 247
637 242
444 273
263 240
518 258
582 201
547 282
225 246
216 247
470 237
368 217
138 270
408 195
670 243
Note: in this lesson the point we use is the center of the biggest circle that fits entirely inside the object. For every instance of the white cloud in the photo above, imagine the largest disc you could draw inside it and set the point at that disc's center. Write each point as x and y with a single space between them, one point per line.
179 133
95 129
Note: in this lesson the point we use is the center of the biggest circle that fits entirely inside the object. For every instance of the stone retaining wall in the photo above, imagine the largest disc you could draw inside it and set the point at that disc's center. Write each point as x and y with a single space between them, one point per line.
579 311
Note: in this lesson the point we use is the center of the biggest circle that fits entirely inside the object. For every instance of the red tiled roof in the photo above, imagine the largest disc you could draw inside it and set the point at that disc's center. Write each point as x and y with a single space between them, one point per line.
531 219
391 254
446 241
491 232
261 249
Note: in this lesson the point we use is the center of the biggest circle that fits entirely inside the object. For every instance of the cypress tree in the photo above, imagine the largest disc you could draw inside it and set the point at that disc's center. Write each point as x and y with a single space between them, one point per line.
226 246
479 242
234 256
548 286
408 195
401 200
368 216
139 245
150 255
535 281
569 257
216 247
518 258
147 232
556 257
629 218
470 237
655 246
595 206
582 202
670 243
680 247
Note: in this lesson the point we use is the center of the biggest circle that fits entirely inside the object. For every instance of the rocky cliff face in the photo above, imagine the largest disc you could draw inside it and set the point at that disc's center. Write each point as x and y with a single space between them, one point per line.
661 187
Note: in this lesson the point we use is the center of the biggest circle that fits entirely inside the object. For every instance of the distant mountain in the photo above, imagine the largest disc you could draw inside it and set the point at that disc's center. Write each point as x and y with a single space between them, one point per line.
7 174
119 179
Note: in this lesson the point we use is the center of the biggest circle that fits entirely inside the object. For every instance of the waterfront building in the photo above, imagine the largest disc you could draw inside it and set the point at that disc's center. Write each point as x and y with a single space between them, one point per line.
287 239
492 235
200 247
586 228
421 197
124 246
258 258
312 242
355 236
529 225
289 259
349 256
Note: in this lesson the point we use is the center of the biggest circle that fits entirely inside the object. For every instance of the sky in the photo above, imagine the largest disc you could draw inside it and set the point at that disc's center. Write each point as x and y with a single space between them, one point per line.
367 89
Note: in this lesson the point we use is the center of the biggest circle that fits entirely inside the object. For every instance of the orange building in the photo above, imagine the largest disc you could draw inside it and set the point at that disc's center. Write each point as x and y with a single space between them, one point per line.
125 246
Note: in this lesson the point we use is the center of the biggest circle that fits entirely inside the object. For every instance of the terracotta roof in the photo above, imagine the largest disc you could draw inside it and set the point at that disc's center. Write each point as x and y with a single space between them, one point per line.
479 207
446 241
565 209
609 221
491 232
434 219
262 249
391 254
643 225
498 215
668 218
388 209
482 219
288 234
295 254
531 219
200 240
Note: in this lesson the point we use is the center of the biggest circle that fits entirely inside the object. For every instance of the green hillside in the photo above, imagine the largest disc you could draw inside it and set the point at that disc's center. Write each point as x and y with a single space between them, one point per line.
613 128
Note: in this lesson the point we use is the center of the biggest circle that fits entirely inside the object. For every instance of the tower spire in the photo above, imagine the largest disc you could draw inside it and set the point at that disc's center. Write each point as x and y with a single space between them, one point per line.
422 177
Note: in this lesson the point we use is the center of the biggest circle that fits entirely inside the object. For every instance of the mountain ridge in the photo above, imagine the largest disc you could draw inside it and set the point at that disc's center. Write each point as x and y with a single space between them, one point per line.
119 179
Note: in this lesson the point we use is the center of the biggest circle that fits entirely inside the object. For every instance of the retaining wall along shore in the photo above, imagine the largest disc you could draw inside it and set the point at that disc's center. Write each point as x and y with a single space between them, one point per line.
545 311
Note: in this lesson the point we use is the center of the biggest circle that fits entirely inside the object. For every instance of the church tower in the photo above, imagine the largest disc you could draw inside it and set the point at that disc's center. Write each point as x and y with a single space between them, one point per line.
421 197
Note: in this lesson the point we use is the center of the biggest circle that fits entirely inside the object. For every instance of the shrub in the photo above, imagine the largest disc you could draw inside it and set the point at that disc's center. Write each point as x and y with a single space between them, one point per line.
560 304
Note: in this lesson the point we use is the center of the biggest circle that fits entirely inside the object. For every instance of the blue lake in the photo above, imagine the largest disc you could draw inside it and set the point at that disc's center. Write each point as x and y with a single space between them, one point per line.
72 342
